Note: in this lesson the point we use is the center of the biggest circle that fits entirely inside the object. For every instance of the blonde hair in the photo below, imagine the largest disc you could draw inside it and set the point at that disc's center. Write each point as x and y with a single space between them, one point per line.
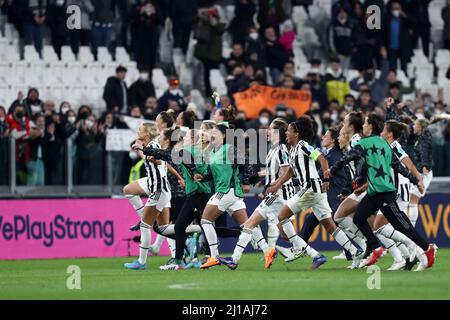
423 123
151 129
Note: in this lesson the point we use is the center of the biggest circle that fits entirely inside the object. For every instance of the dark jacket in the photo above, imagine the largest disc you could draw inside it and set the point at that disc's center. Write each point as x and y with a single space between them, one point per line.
445 14
163 101
139 91
423 151
406 50
342 37
211 49
103 11
28 9
113 93
182 12
276 57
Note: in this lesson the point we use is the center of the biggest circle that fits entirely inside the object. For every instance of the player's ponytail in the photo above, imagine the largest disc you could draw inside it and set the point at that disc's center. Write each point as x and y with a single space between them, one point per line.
281 125
397 129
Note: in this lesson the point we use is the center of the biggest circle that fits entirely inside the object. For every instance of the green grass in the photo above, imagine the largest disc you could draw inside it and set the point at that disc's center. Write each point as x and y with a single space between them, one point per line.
107 279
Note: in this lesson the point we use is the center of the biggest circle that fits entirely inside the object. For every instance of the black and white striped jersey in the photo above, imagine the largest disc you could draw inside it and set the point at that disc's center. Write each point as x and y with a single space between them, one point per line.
353 165
156 174
302 159
402 183
277 158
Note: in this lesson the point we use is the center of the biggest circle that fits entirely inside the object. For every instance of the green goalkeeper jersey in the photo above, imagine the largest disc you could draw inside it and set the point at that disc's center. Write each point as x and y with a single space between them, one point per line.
194 164
224 171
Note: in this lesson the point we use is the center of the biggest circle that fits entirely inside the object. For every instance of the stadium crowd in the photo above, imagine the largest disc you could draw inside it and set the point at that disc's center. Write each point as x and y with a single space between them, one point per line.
41 127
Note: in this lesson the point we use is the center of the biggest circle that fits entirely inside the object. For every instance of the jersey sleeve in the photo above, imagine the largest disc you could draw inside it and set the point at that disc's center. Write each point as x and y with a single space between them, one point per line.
309 150
399 151
283 156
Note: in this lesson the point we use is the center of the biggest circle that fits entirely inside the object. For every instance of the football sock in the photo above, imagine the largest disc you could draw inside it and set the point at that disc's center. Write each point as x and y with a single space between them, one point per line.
145 242
136 203
413 213
297 242
389 244
260 240
272 234
403 249
171 243
389 232
344 241
211 237
244 239
158 242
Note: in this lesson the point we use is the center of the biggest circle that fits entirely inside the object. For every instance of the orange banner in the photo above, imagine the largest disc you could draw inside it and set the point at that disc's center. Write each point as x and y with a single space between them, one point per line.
256 98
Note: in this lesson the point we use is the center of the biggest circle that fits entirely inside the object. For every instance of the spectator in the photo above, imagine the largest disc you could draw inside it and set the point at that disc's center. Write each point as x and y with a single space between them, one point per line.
364 102
237 81
336 84
368 77
146 18
68 124
35 165
135 112
151 104
208 32
342 38
337 6
236 57
4 154
417 11
318 88
19 126
186 119
445 14
287 37
115 92
392 79
4 128
32 103
271 14
141 89
64 107
49 108
57 22
183 14
289 71
82 36
33 15
263 120
254 49
275 55
244 10
102 21
349 103
398 37
173 93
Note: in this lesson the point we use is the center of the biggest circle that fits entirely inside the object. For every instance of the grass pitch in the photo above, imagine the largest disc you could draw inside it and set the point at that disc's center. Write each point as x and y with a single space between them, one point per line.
107 279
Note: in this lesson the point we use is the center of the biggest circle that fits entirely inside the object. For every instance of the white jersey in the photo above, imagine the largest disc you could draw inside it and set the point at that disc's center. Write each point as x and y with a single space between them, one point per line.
156 174
402 183
302 159
352 166
277 158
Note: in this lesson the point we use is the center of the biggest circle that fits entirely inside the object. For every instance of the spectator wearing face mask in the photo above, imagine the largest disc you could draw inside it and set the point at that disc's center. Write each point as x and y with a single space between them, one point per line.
398 37
237 81
4 132
115 92
236 57
254 49
173 93
263 121
287 37
141 89
336 84
276 57
364 102
317 88
349 103
32 103
244 11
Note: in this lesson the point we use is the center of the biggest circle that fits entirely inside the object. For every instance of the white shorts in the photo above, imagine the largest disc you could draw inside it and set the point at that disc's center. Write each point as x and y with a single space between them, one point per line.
306 199
426 182
227 202
159 199
356 197
270 207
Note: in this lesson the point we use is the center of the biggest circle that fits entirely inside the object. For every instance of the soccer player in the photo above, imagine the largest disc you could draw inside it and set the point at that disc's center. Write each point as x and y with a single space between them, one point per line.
156 186
277 163
378 157
302 160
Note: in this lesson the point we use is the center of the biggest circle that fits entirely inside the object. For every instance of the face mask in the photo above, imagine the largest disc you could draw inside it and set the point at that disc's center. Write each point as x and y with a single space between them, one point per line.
420 116
64 110
264 121
334 116
348 107
2 119
143 76
342 20
19 114
253 35
89 124
71 120
133 155
174 92
396 13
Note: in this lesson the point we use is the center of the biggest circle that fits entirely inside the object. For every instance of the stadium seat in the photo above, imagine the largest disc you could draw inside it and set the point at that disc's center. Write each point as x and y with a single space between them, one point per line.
217 81
67 54
401 76
85 54
103 55
30 53
186 77
199 101
49 54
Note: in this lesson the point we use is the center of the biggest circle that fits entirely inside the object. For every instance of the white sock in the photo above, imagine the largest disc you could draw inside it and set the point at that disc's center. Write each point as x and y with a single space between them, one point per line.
145 242
171 243
403 249
389 232
272 234
260 240
351 230
413 213
158 242
344 241
169 229
136 203
244 239
297 242
211 237
389 244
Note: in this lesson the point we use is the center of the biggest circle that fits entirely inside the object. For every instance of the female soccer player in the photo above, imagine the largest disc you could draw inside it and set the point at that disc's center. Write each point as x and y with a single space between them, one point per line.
381 193
156 186
277 163
312 194
424 162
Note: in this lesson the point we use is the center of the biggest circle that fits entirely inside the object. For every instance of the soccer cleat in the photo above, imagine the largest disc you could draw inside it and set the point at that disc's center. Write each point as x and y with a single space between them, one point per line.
356 259
285 252
341 256
229 262
397 265
412 248
270 257
172 266
374 256
135 265
431 254
318 261
410 264
211 262
295 255
136 227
